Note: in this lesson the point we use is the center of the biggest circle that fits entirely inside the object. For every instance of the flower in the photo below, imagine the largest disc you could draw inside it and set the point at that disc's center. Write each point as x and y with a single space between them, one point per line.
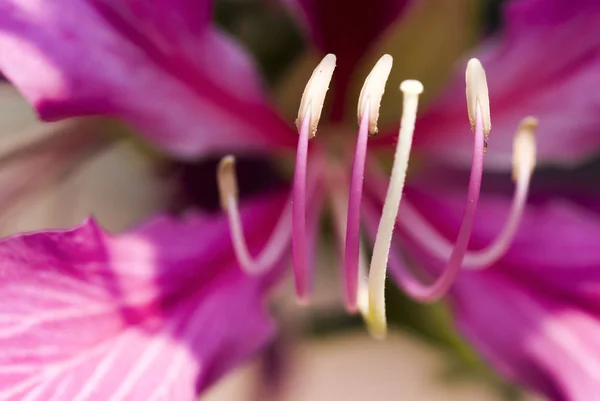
152 65
149 314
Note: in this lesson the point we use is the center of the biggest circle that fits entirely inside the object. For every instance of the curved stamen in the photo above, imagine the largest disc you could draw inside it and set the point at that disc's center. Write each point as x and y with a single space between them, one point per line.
434 242
280 237
368 113
309 113
376 315
432 292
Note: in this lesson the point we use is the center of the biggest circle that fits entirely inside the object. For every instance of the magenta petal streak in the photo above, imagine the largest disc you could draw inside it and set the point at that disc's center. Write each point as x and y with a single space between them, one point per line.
155 314
185 85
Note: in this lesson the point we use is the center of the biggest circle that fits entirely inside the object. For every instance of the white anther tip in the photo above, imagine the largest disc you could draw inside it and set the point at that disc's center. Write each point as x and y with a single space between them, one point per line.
524 148
477 93
412 87
372 91
226 180
314 93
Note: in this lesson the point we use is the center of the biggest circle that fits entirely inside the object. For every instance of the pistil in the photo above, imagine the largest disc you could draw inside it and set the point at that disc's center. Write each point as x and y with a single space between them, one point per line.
376 315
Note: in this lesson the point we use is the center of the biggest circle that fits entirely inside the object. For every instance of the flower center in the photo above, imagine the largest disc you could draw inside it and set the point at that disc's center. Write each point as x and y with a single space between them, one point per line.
364 288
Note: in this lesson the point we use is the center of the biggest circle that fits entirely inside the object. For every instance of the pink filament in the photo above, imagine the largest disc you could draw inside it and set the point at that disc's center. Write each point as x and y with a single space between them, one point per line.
351 258
433 292
273 250
299 248
435 243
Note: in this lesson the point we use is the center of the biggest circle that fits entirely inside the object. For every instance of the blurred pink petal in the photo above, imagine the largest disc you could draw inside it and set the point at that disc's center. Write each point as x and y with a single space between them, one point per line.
545 290
88 316
545 64
544 341
162 68
555 247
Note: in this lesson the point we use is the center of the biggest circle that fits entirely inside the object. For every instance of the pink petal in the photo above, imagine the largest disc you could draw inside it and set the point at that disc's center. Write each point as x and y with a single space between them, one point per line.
544 64
544 341
555 246
155 314
159 66
346 29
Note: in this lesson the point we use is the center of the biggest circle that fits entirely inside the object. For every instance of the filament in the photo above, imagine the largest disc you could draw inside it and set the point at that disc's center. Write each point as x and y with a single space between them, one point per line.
435 243
279 239
351 254
434 291
299 248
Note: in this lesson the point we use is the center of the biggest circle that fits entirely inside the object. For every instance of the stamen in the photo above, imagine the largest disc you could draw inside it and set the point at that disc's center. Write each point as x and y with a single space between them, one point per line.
279 239
434 242
368 111
435 291
314 94
309 113
376 317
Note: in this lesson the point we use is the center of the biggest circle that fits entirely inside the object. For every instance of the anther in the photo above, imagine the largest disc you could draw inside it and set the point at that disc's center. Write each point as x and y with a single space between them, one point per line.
372 91
524 148
477 93
314 94
227 181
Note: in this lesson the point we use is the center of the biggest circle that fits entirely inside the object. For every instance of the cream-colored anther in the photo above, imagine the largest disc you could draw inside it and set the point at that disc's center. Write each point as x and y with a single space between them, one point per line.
477 92
314 93
524 150
227 180
372 91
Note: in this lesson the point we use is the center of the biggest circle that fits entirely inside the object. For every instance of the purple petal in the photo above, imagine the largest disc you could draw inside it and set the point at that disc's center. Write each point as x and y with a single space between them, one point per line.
544 342
158 66
346 30
543 65
153 314
555 246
